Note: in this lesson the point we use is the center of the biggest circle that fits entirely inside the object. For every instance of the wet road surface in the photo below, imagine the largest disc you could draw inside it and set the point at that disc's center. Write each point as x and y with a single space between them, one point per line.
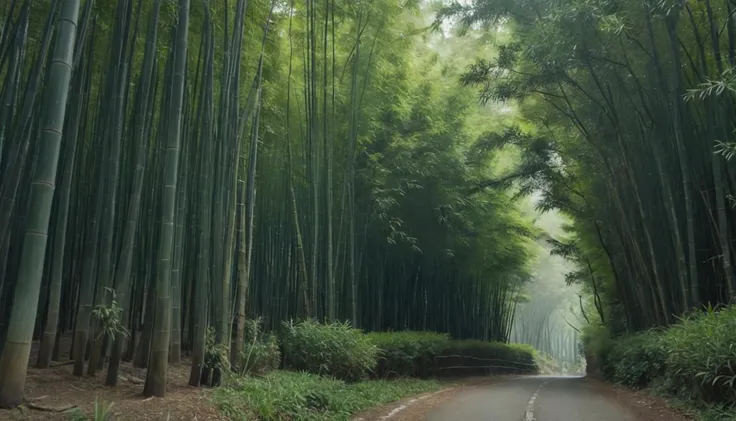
535 398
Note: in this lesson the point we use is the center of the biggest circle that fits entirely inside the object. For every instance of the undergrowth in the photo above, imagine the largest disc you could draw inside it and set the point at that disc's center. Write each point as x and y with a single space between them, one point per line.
429 354
284 395
692 361
333 349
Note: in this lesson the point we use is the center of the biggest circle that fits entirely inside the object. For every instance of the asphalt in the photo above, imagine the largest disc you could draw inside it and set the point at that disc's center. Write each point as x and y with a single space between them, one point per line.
537 398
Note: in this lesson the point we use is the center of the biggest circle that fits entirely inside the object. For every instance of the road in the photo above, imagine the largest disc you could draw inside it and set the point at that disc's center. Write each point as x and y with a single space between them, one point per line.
537 398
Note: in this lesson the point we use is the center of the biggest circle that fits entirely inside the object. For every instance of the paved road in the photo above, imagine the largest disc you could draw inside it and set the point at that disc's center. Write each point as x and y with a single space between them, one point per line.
538 398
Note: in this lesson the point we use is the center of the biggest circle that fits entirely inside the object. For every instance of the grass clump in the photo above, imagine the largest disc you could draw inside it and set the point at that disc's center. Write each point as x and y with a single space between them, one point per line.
334 349
284 395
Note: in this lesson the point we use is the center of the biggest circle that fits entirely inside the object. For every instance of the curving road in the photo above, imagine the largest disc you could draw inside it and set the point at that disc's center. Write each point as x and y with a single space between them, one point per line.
536 398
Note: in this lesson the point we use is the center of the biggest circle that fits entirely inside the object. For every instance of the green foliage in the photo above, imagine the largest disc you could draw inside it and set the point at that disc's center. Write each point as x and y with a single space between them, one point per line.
424 354
407 354
632 360
261 353
334 349
693 360
701 360
597 345
637 360
473 357
216 355
549 365
284 395
109 317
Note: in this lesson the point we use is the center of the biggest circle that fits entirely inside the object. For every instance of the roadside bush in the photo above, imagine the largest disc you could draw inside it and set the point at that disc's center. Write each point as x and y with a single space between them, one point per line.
637 360
407 354
694 359
701 359
334 349
597 345
472 357
425 354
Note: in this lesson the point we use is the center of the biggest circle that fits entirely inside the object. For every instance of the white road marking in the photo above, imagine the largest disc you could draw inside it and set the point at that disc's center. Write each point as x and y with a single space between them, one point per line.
411 402
408 404
529 413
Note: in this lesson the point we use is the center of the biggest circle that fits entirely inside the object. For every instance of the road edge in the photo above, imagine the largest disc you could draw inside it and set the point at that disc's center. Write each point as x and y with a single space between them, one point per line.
396 408
641 403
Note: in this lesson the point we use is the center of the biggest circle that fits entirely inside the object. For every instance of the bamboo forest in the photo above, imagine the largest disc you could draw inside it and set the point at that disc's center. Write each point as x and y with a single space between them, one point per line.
307 210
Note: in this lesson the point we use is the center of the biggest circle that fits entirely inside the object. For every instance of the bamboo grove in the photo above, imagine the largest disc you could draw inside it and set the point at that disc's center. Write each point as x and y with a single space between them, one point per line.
175 167
633 102
548 315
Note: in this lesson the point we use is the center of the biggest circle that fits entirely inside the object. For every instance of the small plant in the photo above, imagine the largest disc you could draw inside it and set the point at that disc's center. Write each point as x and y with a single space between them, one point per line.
216 360
109 318
261 353
101 412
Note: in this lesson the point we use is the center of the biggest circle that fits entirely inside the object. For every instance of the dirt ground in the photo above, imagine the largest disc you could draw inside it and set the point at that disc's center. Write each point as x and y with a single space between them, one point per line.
56 389
59 393
646 406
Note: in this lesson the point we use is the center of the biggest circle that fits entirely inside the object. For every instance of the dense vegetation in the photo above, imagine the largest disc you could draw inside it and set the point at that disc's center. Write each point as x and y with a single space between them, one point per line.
335 167
335 370
218 162
632 103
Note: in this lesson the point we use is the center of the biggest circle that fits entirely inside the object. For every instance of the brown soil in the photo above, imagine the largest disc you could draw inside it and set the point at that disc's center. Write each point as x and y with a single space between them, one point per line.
56 389
644 405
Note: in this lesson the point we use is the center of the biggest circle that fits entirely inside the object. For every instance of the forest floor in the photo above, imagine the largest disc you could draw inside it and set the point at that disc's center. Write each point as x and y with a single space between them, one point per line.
60 394
56 394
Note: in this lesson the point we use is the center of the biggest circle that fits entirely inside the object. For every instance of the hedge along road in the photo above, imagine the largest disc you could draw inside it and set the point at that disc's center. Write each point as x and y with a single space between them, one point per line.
533 398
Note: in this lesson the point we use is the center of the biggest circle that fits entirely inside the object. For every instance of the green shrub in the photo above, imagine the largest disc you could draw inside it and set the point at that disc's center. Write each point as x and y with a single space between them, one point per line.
637 360
407 354
472 357
701 358
424 354
597 345
283 395
694 359
334 349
